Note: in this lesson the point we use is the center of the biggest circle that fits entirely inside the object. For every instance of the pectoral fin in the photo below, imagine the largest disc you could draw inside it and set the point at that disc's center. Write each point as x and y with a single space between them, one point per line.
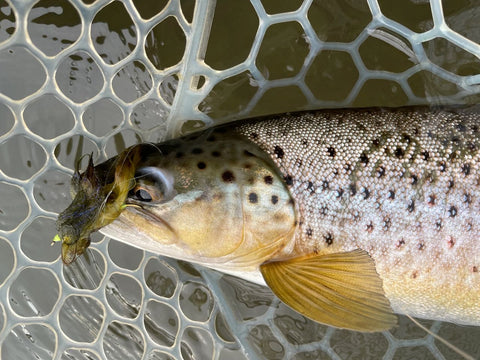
340 289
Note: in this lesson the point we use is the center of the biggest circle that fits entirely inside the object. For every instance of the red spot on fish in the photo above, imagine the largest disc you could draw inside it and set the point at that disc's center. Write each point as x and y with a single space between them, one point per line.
369 227
400 243
451 242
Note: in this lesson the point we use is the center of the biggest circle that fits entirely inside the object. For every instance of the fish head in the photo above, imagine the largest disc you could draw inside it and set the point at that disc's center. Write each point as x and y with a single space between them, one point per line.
211 199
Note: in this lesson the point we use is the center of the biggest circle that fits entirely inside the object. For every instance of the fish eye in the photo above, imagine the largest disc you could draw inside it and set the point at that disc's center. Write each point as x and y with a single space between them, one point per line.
143 195
151 185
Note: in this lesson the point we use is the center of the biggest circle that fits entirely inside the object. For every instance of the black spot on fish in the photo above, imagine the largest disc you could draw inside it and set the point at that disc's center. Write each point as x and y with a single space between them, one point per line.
467 198
426 155
366 193
364 159
331 151
466 169
299 162
451 184
309 232
391 194
254 135
211 138
474 269
201 165
253 198
248 153
310 187
456 140
380 172
268 179
376 143
431 199
353 189
324 210
274 199
216 154
411 205
406 138
438 224
347 168
399 152
461 127
279 152
304 142
247 166
471 146
325 185
228 176
420 246
197 151
340 193
179 154
475 128
452 212
328 238
414 180
288 180
400 243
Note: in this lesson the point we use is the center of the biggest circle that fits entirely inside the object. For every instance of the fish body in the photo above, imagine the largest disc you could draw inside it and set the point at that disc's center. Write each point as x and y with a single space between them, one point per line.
346 215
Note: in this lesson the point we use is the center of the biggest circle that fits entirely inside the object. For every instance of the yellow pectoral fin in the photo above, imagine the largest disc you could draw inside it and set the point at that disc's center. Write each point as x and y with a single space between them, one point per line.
341 290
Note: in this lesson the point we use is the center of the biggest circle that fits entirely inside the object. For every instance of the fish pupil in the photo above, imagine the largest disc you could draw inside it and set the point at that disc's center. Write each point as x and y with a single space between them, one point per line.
143 195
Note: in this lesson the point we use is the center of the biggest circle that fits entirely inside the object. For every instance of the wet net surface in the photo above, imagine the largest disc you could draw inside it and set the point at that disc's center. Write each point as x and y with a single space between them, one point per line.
84 77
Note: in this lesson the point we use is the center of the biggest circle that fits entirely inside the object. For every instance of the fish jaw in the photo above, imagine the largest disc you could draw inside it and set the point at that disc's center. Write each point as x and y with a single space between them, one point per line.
121 230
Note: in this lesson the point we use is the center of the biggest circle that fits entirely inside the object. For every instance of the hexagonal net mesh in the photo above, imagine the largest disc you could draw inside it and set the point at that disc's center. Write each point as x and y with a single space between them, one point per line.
92 76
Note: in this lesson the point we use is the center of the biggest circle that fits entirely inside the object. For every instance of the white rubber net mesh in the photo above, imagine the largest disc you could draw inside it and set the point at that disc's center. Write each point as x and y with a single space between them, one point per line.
79 77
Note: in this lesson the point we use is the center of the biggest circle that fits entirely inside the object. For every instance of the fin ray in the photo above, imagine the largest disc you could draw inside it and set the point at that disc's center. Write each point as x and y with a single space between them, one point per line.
340 289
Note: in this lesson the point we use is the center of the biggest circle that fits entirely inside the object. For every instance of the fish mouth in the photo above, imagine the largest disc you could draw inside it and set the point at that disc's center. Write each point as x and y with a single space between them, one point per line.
154 218
149 229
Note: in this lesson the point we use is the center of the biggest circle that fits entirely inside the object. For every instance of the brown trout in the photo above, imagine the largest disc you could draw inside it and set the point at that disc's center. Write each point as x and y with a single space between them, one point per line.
348 216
